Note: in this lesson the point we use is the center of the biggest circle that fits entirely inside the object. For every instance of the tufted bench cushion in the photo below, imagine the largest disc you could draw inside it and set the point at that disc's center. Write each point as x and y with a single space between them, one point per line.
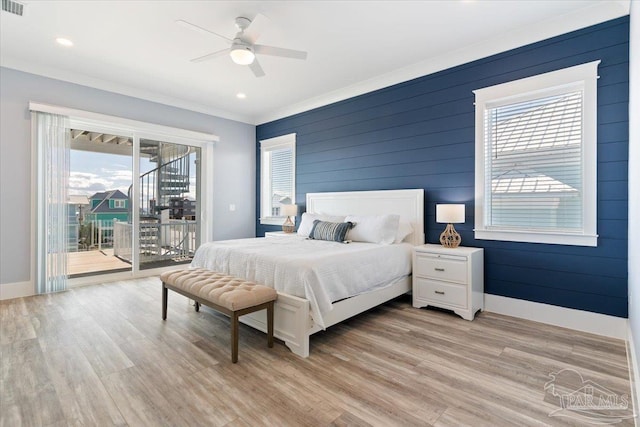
227 294
228 291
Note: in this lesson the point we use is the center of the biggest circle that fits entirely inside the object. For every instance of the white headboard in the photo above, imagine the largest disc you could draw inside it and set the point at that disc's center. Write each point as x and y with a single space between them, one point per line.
409 204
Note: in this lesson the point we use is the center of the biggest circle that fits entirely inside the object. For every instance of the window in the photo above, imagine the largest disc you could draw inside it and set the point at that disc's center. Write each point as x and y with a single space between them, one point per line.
119 204
277 180
536 158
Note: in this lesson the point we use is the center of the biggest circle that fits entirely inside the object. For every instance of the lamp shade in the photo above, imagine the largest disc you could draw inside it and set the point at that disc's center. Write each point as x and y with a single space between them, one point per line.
290 210
450 214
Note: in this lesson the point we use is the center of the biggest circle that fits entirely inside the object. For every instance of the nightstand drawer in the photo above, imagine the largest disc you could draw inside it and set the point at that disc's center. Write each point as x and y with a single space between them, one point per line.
445 267
441 292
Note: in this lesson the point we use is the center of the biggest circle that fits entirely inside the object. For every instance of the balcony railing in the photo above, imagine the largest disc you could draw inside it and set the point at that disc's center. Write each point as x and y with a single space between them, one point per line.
175 240
90 235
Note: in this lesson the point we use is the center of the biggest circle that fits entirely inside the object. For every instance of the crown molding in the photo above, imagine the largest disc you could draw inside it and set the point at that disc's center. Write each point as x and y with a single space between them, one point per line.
119 88
598 13
559 25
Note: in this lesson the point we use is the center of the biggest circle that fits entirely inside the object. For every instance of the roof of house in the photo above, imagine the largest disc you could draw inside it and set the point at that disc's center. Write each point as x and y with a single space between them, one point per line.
111 194
108 195
75 199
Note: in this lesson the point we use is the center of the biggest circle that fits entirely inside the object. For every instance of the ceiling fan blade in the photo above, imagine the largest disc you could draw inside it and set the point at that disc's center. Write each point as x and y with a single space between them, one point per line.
210 55
256 28
279 51
200 30
256 68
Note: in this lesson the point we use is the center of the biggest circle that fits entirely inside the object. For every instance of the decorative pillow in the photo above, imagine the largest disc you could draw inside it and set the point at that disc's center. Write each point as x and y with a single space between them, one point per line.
332 231
404 229
306 223
374 228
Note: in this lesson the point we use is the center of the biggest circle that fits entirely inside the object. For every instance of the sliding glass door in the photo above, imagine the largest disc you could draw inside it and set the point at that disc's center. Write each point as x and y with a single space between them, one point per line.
169 203
100 178
105 233
115 197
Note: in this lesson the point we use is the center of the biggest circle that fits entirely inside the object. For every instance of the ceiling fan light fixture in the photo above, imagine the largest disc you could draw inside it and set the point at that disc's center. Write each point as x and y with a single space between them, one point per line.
242 55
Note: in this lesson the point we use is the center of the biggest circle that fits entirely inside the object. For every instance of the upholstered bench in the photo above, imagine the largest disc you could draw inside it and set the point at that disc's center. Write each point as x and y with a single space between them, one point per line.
227 294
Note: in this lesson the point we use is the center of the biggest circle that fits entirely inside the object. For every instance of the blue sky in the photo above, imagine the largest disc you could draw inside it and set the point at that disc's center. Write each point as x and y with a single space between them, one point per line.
92 172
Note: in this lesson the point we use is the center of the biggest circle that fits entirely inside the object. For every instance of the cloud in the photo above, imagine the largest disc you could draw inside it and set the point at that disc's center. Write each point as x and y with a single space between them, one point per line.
118 174
87 183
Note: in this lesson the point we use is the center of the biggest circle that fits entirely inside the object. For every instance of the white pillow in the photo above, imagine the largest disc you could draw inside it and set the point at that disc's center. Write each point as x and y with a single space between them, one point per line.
306 223
404 229
373 228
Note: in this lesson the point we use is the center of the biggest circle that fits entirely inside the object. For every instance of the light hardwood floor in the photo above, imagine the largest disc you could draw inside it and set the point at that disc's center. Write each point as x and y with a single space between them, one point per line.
101 355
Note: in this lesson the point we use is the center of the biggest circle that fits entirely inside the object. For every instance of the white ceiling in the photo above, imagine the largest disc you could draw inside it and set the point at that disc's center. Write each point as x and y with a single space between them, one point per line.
135 47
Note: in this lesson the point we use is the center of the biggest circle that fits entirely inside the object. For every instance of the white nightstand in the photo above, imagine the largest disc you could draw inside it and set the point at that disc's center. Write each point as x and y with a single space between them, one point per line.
280 234
449 278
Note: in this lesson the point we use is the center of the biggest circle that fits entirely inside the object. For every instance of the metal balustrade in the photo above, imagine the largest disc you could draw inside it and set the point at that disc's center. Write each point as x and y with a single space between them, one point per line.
91 235
175 240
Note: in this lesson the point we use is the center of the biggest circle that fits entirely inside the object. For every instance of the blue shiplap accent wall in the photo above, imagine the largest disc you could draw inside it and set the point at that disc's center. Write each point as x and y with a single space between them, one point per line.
420 134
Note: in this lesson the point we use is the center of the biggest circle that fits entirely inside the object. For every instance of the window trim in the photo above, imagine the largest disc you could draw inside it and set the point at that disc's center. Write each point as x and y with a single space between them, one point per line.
583 77
283 141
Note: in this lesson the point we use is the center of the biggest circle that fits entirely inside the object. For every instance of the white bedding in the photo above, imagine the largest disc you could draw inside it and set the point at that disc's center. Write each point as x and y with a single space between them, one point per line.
320 271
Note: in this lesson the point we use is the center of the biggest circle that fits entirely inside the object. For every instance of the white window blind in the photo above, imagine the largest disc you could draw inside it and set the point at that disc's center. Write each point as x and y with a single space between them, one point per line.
277 177
536 158
281 161
533 164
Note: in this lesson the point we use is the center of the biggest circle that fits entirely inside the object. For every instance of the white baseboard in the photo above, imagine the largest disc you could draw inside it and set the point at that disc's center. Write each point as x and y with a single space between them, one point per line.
586 321
634 374
16 290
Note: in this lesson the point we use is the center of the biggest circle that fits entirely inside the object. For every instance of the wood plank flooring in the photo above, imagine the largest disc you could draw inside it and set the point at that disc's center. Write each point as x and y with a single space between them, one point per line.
101 355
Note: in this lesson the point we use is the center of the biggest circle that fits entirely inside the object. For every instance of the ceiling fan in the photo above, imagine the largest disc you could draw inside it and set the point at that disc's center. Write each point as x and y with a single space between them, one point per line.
243 49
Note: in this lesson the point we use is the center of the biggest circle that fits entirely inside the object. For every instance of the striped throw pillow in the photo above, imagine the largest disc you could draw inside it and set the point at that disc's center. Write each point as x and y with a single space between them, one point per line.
332 231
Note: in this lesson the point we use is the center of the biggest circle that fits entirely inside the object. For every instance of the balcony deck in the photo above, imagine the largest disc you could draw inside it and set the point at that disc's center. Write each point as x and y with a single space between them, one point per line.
94 262
104 261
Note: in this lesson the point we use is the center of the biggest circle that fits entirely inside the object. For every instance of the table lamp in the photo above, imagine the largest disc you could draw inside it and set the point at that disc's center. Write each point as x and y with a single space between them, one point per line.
289 211
450 214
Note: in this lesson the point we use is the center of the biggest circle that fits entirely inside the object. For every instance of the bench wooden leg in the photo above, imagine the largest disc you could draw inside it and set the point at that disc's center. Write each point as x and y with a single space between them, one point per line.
164 301
234 338
270 324
233 315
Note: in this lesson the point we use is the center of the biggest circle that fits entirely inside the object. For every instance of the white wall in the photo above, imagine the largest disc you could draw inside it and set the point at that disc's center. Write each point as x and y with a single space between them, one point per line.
634 183
234 166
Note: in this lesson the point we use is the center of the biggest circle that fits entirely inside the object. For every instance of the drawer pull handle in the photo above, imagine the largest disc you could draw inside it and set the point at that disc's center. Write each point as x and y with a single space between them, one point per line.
439 292
439 269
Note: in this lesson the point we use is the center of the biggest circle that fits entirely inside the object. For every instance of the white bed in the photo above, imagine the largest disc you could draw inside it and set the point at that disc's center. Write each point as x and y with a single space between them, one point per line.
314 290
319 271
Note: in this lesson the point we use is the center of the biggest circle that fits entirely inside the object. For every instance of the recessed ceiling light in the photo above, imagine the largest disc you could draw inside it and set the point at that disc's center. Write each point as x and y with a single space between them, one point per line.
64 42
241 95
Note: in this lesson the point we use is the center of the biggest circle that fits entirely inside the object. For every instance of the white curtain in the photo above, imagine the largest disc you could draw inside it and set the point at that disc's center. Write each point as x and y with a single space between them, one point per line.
52 146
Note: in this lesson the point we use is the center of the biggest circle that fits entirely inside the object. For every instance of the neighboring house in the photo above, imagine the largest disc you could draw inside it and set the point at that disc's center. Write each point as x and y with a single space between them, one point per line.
73 229
108 205
77 206
277 200
183 208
